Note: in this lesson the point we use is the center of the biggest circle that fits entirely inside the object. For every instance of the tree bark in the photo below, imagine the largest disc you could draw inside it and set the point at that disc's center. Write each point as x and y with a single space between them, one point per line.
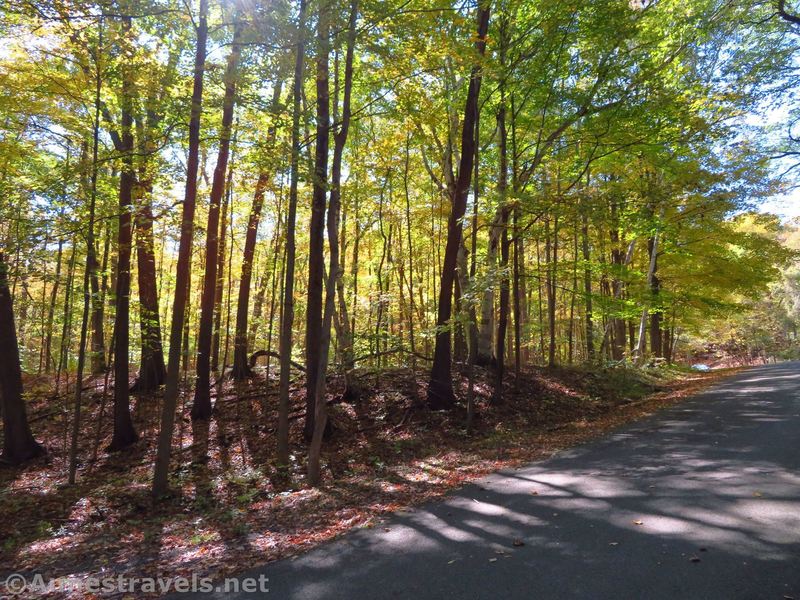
201 409
48 343
317 225
221 254
151 368
505 243
124 434
161 470
340 138
287 320
87 299
241 368
587 282
656 316
18 442
440 388
618 323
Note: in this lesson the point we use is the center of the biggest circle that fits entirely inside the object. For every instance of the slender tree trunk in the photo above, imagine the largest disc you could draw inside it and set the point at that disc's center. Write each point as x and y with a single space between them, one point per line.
288 290
98 350
317 225
18 442
459 338
66 319
261 291
552 271
201 409
618 323
48 342
440 387
518 290
472 359
411 309
43 303
656 316
161 471
516 273
345 333
539 308
241 368
505 244
87 298
487 325
573 295
639 351
334 210
151 369
587 283
221 254
124 434
502 321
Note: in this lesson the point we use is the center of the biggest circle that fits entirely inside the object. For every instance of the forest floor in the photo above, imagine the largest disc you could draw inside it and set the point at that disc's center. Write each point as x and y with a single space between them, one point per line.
232 509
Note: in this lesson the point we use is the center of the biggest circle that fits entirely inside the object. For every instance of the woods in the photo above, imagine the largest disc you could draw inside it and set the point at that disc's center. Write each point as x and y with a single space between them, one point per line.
283 207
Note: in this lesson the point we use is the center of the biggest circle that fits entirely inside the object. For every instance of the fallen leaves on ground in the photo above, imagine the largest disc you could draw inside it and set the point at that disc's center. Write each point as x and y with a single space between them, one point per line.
233 509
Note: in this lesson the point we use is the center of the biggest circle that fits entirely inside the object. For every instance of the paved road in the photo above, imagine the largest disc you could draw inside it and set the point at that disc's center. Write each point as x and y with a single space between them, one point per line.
716 478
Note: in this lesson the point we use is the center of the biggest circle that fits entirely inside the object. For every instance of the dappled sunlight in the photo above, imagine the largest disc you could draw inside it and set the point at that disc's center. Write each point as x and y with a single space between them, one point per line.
700 483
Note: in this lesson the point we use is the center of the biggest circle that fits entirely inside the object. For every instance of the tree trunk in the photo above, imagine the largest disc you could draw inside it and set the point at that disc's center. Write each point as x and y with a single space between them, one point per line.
124 434
587 283
221 254
340 139
639 351
66 318
345 333
287 320
505 243
201 409
98 351
161 470
241 368
440 388
411 303
485 354
48 343
618 323
151 369
656 316
518 313
551 254
87 299
502 321
18 442
472 359
317 226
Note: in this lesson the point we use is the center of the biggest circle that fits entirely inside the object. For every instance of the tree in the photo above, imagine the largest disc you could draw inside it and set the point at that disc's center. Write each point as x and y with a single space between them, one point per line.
316 231
124 433
202 393
161 471
440 387
340 139
241 368
287 318
18 442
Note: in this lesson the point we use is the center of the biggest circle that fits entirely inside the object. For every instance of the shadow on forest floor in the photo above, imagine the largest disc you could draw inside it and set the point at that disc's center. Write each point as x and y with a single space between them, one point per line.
231 507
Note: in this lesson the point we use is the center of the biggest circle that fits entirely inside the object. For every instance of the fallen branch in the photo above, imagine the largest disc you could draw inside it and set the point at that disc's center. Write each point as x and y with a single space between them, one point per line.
393 351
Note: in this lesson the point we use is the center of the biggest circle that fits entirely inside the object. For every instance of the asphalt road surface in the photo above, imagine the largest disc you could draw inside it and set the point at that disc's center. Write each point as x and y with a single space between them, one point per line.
701 500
